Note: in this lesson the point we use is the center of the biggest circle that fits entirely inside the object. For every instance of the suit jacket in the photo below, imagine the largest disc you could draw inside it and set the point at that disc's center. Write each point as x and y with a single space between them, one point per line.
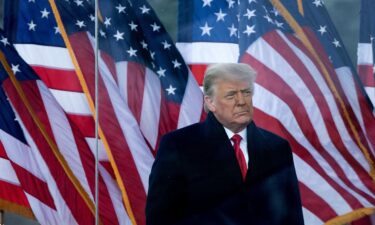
196 179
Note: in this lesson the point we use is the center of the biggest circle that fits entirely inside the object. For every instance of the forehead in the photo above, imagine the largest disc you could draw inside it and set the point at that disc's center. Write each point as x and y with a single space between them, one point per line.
232 84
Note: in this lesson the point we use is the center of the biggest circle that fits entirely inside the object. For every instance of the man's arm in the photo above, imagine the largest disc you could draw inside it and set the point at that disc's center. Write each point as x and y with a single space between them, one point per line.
166 197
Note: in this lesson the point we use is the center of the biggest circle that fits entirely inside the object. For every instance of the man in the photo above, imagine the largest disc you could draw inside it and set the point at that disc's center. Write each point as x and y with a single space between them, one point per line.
224 170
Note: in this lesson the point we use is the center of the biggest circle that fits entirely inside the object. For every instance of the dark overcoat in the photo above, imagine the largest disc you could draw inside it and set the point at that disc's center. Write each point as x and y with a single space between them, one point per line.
196 179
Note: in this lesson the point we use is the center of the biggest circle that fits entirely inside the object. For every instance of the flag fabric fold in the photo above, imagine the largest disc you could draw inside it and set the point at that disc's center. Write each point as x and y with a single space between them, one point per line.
145 89
45 51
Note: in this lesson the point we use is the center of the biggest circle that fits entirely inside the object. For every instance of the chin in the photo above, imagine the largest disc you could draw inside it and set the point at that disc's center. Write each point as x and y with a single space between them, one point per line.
243 120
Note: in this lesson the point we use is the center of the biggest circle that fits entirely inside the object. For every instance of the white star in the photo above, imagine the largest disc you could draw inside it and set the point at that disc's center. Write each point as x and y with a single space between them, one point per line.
15 68
119 36
4 40
250 1
317 3
133 26
279 24
207 3
268 18
232 30
176 64
102 33
206 30
322 29
275 12
336 43
57 30
230 3
371 38
107 22
132 52
166 45
79 2
80 24
120 8
220 15
171 90
161 72
144 9
152 54
155 27
249 30
249 13
32 25
144 44
92 17
32 1
45 13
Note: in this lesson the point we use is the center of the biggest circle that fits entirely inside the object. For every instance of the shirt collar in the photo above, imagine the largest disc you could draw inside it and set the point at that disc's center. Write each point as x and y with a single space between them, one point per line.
242 133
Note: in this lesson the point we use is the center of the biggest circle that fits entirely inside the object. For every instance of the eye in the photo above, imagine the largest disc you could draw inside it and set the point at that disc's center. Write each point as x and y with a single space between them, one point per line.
246 92
229 97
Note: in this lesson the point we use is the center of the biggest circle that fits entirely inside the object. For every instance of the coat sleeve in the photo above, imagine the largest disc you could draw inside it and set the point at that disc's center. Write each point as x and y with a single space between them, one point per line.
165 198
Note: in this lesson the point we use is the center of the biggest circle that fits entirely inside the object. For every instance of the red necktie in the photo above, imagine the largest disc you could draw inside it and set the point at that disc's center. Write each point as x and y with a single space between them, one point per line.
239 154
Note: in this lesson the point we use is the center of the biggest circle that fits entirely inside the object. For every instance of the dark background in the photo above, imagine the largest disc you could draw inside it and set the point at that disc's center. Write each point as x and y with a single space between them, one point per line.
344 13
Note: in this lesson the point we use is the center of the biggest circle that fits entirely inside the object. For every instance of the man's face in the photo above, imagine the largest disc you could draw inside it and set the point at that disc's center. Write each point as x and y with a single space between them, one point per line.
231 103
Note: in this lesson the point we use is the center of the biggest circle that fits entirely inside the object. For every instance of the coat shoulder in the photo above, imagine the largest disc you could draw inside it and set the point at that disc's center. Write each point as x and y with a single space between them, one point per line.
184 134
275 150
272 139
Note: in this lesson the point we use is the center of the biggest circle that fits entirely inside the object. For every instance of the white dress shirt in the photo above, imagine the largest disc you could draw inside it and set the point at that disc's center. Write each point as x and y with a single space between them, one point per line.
243 143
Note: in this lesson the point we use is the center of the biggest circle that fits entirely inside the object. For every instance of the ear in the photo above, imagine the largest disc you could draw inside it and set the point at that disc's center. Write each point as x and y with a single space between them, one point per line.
209 103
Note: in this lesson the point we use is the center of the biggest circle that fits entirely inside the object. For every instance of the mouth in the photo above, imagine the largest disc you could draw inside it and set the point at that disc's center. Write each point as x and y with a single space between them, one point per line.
241 113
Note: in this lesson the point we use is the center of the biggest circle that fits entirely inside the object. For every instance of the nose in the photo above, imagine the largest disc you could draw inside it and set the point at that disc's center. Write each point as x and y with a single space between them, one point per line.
240 99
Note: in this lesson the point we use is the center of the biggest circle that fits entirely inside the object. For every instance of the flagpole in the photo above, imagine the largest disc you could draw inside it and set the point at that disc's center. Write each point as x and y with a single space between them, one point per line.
96 114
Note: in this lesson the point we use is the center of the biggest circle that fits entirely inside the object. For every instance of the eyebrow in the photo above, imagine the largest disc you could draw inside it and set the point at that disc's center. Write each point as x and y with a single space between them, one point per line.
234 92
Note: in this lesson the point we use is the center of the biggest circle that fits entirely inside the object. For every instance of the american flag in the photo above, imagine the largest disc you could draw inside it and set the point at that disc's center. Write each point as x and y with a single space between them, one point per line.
48 189
366 48
24 188
208 33
145 88
310 96
65 112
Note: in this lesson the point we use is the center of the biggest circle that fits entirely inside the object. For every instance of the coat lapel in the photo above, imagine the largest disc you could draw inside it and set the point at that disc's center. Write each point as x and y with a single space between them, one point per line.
261 154
222 149
254 149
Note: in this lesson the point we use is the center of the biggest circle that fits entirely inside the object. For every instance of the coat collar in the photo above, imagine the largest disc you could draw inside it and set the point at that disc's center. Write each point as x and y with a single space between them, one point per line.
256 144
214 129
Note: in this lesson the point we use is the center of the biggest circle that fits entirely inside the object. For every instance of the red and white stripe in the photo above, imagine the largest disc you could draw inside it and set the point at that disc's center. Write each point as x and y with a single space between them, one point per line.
12 196
44 143
77 125
366 71
198 55
21 169
293 99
